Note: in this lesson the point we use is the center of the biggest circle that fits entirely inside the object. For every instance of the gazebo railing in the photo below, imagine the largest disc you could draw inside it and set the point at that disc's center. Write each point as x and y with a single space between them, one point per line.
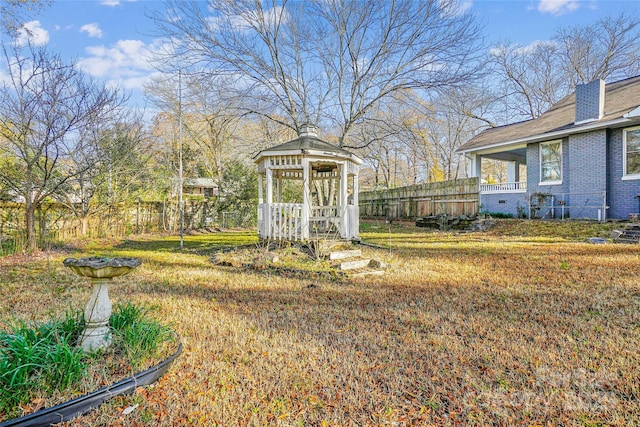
324 211
285 221
324 219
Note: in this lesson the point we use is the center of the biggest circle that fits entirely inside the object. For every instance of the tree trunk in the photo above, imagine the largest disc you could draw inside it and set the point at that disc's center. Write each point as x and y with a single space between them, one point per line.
31 244
84 225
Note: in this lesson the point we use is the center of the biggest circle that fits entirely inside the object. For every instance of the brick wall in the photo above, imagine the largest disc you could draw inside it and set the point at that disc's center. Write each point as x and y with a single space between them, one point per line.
592 163
583 177
507 203
621 194
587 174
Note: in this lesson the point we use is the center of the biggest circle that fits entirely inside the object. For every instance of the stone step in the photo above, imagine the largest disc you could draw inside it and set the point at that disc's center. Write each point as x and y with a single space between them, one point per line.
623 239
362 263
367 273
355 253
354 265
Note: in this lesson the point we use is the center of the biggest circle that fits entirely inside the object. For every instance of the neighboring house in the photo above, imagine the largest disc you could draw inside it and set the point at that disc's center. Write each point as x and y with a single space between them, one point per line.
200 186
580 159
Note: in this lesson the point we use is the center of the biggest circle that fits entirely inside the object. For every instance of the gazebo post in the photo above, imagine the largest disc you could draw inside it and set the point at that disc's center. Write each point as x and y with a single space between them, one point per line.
354 216
261 209
269 191
356 189
278 189
306 198
344 217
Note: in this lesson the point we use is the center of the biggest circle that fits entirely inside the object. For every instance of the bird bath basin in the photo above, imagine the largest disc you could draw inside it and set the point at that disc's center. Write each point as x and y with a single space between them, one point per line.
97 312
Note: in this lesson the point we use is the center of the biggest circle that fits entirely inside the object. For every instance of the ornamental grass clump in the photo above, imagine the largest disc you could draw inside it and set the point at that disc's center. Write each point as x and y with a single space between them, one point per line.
39 357
139 337
38 361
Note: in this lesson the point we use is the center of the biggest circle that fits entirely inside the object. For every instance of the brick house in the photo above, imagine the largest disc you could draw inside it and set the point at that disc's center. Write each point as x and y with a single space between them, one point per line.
580 159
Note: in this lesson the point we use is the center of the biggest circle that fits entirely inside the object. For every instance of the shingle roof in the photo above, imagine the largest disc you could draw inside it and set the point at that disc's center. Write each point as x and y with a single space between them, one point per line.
620 98
307 143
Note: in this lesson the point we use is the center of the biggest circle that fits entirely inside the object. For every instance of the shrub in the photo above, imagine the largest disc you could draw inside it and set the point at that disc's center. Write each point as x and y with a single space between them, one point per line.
499 215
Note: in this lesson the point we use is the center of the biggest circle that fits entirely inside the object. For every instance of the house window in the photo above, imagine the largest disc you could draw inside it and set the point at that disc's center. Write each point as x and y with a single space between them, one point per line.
631 142
551 162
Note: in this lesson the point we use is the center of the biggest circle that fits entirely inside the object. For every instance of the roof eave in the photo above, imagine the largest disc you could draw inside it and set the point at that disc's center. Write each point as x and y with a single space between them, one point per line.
552 135
307 152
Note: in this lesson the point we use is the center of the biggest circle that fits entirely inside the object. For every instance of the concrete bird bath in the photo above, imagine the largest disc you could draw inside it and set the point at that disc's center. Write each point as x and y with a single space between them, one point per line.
97 312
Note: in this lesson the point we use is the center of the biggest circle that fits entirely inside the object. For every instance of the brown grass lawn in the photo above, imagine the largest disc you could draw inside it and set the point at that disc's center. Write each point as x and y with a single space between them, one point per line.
525 325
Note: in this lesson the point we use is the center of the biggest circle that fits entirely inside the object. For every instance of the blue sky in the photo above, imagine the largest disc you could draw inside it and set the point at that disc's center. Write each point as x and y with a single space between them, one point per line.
111 38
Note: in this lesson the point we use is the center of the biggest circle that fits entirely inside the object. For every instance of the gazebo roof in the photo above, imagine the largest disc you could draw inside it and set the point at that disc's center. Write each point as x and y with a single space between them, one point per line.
305 144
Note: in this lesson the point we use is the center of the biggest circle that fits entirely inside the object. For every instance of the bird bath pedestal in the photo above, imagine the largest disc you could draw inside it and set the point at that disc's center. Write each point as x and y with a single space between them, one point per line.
97 312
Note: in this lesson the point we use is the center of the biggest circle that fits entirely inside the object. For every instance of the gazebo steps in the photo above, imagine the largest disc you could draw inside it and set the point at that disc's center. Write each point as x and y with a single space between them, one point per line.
354 265
361 273
630 234
353 253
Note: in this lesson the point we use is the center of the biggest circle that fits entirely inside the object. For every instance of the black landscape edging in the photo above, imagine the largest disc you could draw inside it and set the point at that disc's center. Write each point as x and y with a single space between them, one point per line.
80 405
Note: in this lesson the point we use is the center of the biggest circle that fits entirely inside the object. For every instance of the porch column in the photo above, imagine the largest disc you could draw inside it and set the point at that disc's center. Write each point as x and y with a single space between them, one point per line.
513 171
306 198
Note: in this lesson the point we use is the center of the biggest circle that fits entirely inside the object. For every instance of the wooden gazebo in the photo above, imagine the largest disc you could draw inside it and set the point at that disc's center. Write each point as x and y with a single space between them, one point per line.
307 189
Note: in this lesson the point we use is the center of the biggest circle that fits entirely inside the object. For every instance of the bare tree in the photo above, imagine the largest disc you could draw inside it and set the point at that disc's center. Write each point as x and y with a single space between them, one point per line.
326 62
608 49
537 76
458 115
211 126
45 105
13 13
531 80
110 172
416 140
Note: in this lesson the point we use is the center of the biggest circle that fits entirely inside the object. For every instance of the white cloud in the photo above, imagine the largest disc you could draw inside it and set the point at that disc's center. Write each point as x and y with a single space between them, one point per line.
93 30
125 57
125 64
465 6
32 32
516 49
110 2
534 45
456 7
558 7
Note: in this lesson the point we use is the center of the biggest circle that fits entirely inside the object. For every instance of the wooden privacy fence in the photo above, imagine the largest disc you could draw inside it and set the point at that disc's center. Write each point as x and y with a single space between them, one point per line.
453 198
56 222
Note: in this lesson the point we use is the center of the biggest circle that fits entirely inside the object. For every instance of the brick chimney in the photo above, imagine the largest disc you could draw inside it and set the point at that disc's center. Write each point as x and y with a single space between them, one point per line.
590 101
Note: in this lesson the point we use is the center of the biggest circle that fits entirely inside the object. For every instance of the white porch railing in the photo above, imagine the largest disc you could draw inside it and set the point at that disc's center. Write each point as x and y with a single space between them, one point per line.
505 187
